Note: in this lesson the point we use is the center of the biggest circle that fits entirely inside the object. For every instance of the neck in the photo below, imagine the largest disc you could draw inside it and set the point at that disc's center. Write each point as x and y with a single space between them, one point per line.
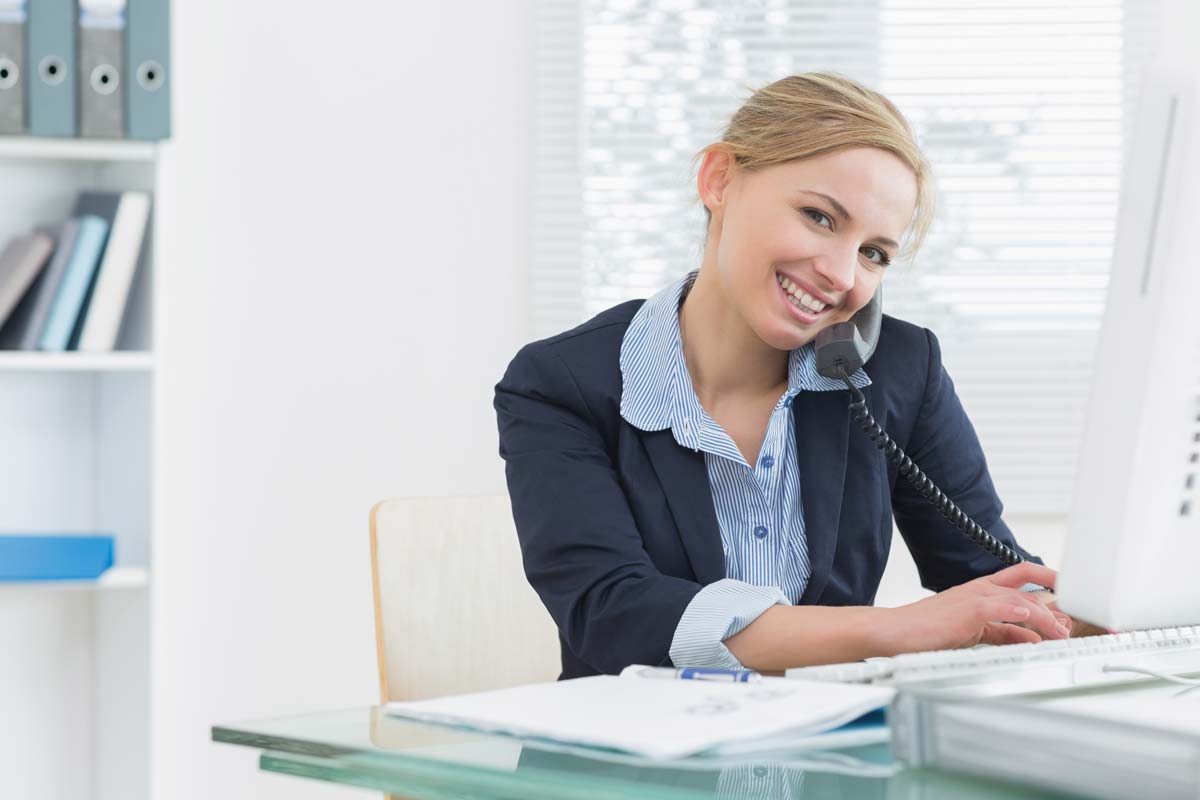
724 355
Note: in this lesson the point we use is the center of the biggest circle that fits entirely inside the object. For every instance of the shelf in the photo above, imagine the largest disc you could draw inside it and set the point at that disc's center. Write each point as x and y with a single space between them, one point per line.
77 149
29 361
114 578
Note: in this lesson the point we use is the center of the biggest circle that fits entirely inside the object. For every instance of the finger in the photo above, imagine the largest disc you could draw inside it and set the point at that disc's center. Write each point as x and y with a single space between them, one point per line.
1018 575
1041 619
1045 600
1003 609
1004 633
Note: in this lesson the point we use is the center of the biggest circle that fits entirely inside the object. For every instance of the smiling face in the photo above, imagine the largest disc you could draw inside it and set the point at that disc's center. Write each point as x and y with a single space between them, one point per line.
802 245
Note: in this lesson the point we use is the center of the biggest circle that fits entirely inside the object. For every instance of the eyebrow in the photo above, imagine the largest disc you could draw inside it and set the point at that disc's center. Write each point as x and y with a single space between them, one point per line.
845 215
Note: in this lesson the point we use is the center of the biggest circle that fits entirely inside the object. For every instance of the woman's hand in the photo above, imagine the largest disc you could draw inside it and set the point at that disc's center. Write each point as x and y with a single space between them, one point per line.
991 609
1079 627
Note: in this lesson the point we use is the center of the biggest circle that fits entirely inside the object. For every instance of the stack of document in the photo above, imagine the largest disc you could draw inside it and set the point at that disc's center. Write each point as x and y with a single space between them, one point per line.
1140 740
664 719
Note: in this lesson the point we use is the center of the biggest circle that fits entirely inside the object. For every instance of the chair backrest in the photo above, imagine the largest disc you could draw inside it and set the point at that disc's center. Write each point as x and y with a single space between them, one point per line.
453 611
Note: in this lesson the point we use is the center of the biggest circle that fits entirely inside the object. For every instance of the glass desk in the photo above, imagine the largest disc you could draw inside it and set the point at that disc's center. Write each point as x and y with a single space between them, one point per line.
367 748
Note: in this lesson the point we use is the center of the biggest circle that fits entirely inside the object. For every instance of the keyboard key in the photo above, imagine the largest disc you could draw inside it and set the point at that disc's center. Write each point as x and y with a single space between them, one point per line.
1041 666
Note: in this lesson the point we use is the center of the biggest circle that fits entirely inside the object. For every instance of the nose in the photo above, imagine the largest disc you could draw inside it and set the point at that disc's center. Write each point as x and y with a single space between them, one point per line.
837 268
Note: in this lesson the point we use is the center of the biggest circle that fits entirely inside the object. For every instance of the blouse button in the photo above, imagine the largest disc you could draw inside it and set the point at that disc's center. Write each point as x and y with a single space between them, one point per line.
760 532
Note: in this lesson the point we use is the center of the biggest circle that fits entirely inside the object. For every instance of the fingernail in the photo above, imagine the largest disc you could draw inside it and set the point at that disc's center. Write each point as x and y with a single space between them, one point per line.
1062 629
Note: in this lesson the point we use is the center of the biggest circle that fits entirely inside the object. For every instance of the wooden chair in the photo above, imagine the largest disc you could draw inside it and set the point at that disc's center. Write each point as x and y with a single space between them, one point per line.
453 611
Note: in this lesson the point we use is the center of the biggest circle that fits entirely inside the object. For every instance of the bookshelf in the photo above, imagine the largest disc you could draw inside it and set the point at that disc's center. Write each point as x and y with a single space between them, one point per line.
100 150
76 362
80 432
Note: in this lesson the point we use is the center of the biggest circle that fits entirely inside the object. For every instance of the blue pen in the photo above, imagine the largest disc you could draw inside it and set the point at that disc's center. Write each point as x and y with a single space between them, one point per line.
701 674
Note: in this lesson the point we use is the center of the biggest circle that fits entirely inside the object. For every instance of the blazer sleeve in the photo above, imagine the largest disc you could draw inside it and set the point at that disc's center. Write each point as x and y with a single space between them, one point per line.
946 448
580 544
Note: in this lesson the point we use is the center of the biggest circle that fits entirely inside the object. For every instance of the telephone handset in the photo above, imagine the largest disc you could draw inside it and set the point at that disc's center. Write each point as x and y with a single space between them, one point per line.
842 349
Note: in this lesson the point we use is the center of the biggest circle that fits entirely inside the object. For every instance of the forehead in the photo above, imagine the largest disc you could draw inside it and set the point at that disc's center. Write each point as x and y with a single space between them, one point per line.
877 188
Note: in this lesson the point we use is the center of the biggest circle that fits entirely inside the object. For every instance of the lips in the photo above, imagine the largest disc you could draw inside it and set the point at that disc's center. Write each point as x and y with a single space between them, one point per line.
803 305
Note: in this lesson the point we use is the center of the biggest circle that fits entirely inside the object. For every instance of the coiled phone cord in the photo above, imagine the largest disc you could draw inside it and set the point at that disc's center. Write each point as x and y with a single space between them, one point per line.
918 479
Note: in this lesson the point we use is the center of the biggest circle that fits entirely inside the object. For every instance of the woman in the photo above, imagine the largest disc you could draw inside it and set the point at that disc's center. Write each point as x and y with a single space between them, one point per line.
688 490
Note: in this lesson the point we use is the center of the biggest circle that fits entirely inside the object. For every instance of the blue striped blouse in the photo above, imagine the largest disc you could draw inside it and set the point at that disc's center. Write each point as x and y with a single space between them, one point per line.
758 507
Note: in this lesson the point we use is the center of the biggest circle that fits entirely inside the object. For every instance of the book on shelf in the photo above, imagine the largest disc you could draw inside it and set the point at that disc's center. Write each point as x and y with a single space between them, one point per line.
72 292
28 320
67 286
127 213
21 261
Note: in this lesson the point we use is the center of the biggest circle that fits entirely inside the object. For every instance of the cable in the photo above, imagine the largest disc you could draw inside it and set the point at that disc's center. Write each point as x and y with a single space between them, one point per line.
1153 674
918 479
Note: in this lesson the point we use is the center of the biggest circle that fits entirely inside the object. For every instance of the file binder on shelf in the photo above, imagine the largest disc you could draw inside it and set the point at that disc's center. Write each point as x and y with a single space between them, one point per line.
147 70
101 62
50 68
12 65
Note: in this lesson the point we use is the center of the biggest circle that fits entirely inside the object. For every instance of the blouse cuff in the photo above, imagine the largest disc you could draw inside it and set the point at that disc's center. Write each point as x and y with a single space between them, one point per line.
717 612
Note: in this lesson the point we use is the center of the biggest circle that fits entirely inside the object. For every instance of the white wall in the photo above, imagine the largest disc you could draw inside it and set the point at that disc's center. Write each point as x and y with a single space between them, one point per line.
347 197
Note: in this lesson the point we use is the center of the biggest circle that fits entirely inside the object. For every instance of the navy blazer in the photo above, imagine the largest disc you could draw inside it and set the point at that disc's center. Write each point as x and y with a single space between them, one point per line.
617 525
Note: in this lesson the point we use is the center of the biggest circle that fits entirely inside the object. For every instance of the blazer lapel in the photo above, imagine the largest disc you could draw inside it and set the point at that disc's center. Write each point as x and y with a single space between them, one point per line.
822 429
684 479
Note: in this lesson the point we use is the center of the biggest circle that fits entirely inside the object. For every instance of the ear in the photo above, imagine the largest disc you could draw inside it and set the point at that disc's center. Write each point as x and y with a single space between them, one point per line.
712 183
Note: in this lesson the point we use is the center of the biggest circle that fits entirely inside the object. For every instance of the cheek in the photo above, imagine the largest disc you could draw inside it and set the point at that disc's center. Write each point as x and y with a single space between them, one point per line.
750 244
864 290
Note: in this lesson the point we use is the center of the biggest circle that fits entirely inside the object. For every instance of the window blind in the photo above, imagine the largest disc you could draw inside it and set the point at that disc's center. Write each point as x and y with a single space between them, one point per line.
1022 108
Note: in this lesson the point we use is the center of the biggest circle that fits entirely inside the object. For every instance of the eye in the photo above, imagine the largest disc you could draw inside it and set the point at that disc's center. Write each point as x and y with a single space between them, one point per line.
884 259
816 216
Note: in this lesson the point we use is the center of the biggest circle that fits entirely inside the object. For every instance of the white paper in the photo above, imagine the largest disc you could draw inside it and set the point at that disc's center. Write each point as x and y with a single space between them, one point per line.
658 719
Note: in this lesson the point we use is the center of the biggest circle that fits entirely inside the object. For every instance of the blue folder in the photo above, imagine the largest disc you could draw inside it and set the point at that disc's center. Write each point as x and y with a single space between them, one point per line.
47 558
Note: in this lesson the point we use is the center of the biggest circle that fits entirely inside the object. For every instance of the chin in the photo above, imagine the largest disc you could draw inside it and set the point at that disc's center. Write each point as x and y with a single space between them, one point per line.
782 338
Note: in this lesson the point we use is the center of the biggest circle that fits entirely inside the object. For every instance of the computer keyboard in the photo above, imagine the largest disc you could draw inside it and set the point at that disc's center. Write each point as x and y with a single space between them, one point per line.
1018 668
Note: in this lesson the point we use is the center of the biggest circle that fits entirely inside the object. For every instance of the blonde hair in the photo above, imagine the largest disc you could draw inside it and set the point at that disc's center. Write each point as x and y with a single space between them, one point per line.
817 113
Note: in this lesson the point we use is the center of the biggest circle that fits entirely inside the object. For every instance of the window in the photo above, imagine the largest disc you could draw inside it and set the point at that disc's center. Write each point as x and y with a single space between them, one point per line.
1022 108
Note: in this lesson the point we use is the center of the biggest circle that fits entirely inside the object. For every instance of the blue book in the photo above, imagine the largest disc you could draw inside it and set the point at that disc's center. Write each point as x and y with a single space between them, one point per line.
47 558
68 303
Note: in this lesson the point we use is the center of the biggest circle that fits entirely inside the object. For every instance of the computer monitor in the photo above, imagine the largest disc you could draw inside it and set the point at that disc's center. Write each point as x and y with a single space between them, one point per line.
1132 555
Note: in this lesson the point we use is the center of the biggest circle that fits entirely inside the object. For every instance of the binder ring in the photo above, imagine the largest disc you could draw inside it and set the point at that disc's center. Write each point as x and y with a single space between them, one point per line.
105 79
150 75
9 73
53 70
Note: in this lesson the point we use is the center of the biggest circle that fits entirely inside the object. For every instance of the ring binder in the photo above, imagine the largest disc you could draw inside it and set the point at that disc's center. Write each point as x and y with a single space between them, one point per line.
12 57
101 54
52 49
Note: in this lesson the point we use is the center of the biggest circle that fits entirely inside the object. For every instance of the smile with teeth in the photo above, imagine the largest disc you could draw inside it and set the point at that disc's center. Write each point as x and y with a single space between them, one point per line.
799 297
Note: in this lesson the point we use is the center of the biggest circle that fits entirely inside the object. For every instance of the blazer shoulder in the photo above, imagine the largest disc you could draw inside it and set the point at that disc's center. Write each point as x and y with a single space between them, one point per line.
894 331
902 346
904 359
